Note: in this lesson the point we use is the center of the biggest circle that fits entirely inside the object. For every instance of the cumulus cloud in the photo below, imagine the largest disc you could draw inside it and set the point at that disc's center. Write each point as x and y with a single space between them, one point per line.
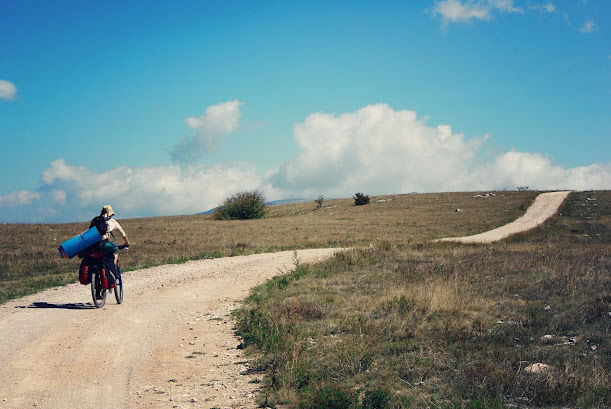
454 11
20 198
457 11
378 150
72 193
8 90
219 119
375 149
467 11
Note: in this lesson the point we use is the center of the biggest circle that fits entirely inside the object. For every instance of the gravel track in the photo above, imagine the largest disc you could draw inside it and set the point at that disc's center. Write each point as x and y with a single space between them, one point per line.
169 345
544 207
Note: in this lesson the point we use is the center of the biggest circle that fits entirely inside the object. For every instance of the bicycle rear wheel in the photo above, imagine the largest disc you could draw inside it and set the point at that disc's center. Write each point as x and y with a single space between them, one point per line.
98 293
119 286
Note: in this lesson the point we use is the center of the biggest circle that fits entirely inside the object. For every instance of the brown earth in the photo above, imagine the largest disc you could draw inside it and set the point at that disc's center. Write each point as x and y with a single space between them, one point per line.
169 345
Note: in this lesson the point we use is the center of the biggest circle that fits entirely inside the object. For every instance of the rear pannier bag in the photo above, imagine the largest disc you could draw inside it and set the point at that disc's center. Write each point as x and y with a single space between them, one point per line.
83 275
108 279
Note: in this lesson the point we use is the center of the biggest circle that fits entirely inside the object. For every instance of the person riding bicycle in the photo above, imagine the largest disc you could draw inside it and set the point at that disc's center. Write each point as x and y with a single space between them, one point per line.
113 225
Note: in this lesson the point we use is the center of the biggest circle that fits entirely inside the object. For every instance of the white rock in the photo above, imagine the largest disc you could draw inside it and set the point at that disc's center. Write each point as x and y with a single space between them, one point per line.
547 339
537 368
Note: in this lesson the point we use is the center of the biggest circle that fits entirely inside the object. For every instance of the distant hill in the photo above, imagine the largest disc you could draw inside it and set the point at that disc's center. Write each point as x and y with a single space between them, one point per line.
286 201
272 203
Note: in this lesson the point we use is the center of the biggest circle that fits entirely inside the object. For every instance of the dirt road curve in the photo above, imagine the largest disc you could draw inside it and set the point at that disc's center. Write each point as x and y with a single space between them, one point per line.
545 206
169 345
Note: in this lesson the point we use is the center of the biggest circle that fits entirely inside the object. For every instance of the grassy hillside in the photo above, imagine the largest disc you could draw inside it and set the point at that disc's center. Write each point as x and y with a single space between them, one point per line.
402 322
29 260
444 325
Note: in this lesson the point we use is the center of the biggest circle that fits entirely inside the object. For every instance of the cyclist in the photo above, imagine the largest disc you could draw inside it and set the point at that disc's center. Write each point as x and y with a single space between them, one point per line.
113 225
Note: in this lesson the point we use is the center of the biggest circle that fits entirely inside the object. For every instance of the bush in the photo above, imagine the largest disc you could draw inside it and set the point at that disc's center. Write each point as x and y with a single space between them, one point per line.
319 202
360 199
328 398
376 399
242 206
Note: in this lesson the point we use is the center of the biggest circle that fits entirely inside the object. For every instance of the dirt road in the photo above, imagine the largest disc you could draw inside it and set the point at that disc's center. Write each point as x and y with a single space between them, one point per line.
169 345
544 206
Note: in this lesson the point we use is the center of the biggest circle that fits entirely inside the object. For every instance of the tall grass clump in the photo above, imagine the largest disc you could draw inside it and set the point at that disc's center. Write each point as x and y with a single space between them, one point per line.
242 206
445 325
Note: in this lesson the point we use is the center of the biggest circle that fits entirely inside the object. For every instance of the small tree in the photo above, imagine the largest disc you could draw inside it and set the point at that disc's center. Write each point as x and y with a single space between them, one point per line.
319 202
361 199
242 206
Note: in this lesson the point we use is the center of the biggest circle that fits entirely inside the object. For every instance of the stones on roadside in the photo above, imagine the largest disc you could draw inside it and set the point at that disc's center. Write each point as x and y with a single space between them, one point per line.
592 345
571 341
537 368
547 339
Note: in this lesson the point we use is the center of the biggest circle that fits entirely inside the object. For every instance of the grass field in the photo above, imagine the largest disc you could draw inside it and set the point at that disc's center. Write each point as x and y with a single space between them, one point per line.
400 322
29 260
439 325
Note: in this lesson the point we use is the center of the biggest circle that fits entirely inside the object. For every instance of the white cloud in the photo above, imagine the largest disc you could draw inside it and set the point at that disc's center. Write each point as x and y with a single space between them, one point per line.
7 90
58 196
457 11
505 6
544 8
20 198
76 193
375 150
454 11
219 119
588 27
380 151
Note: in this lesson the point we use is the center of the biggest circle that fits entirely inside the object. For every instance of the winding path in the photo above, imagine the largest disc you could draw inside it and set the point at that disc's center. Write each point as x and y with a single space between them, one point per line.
544 207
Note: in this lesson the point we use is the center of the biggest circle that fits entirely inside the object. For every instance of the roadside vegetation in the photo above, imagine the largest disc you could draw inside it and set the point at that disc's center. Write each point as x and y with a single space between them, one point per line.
444 325
242 206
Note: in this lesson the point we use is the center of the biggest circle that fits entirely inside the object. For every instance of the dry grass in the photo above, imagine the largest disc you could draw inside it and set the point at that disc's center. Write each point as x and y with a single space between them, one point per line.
442 325
402 322
29 260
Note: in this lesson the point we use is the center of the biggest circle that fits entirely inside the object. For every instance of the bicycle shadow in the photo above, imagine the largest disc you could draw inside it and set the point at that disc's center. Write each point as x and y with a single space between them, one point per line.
68 306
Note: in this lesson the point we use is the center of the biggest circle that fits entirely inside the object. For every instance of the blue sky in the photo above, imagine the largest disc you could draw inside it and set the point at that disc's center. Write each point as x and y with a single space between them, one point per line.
163 108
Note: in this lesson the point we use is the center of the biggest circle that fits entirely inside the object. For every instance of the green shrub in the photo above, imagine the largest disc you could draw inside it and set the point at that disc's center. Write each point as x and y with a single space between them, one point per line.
376 399
242 206
328 397
361 199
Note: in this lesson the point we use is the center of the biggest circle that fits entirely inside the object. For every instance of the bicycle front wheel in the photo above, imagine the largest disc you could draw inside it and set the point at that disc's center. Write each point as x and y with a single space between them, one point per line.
98 293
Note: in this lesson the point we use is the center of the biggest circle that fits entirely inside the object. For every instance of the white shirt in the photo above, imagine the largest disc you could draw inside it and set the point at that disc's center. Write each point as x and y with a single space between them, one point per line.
112 226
